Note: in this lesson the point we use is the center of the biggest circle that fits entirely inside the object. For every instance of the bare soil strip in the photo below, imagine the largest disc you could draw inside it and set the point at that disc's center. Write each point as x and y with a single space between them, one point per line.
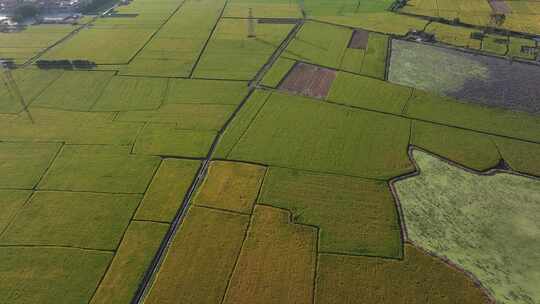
499 7
278 20
359 39
309 80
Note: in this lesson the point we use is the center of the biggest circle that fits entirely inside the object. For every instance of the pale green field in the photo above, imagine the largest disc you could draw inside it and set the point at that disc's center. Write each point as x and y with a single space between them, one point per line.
486 224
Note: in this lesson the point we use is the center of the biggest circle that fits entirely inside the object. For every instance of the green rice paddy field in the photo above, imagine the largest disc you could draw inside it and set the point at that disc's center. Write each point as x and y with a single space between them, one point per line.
195 161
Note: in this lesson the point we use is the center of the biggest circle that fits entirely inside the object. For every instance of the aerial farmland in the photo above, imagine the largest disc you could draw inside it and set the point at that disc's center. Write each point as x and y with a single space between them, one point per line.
270 152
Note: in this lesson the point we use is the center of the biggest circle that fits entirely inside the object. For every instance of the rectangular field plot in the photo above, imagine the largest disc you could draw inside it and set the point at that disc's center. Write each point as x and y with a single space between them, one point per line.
201 258
77 91
50 275
68 126
102 46
174 50
478 79
473 12
23 45
279 69
495 44
30 84
295 132
521 156
131 93
231 186
85 220
338 47
100 169
206 91
11 201
515 48
241 122
470 149
23 164
454 35
167 190
308 80
168 140
185 115
448 111
345 7
374 61
355 216
382 21
134 255
276 263
418 277
263 9
319 43
369 93
231 54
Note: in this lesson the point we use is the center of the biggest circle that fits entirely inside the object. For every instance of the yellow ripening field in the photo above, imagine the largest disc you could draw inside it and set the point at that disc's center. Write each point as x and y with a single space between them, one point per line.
231 186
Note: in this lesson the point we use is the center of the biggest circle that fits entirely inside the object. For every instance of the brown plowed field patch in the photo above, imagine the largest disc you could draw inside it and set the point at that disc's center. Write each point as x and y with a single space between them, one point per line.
277 21
359 39
500 7
309 80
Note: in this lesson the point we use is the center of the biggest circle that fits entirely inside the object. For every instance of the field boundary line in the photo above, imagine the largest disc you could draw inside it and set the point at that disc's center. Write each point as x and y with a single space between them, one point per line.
352 27
255 82
207 42
49 165
419 119
434 122
263 18
91 192
156 169
458 268
19 210
100 94
56 246
229 279
387 59
31 101
466 50
280 83
222 210
495 30
248 126
156 31
303 170
361 255
244 237
151 221
404 116
67 37
145 283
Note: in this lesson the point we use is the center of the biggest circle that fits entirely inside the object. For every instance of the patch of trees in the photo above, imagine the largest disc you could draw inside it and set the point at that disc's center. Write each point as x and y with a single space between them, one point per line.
96 5
8 64
25 11
65 64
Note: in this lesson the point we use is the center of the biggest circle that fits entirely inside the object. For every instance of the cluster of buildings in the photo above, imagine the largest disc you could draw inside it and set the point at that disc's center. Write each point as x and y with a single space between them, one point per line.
53 6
